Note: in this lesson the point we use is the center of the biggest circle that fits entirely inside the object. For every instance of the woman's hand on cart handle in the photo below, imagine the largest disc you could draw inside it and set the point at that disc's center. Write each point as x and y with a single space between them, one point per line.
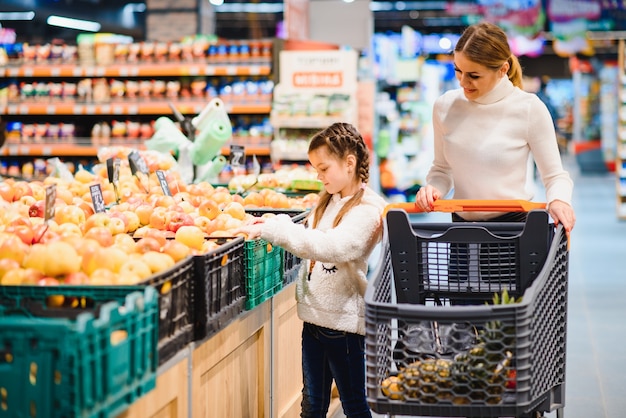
562 213
468 205
426 197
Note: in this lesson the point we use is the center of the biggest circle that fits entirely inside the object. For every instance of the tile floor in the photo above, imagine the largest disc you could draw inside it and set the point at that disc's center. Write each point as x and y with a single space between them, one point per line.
596 332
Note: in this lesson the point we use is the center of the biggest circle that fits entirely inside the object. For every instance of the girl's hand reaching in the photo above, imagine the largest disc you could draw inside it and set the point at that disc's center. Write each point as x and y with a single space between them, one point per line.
252 228
425 197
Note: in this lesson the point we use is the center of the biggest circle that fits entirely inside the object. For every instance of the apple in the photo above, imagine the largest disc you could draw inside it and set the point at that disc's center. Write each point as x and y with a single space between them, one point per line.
157 261
208 246
112 258
122 216
210 209
37 209
177 219
101 234
165 201
135 267
24 232
146 244
133 222
8 264
101 219
157 234
191 236
103 277
14 248
69 229
6 191
205 224
21 188
27 200
158 218
144 211
21 276
76 279
69 213
176 249
53 259
125 242
43 233
236 210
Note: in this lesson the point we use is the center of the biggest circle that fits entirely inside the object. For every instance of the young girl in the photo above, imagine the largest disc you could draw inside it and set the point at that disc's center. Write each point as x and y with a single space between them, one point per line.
336 241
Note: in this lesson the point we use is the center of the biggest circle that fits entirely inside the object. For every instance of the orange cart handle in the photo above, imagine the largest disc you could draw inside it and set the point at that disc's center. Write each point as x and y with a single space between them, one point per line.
469 205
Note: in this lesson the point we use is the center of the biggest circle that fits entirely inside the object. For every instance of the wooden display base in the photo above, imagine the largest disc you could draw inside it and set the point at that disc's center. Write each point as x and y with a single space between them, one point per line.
252 368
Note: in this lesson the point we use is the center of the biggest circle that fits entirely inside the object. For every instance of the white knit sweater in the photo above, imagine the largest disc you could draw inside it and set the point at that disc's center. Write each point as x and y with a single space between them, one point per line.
482 147
332 296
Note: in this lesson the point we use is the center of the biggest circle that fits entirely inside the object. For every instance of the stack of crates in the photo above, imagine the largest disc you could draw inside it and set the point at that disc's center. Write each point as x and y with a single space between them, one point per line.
76 351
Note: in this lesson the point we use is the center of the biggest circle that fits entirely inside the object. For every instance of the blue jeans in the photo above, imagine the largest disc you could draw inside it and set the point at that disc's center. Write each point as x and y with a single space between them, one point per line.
326 355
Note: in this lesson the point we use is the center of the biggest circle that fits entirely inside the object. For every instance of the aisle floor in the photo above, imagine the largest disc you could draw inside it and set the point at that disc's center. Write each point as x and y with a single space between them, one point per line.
596 331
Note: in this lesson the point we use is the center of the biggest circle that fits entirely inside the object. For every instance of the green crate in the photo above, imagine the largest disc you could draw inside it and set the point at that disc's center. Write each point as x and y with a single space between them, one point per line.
92 357
264 267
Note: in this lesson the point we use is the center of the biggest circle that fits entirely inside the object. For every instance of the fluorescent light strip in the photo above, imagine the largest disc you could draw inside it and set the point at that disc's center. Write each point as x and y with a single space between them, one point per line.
67 22
249 8
17 15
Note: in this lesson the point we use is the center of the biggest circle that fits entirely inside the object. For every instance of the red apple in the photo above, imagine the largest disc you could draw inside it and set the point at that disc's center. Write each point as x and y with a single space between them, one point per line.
37 209
101 234
146 244
25 232
178 219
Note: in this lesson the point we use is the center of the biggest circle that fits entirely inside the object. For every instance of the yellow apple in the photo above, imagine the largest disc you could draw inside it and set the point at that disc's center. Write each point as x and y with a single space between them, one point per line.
158 261
135 267
191 236
175 249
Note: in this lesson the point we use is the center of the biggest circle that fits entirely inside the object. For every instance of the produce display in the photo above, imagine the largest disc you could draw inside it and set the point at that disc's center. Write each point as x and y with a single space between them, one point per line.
140 226
457 363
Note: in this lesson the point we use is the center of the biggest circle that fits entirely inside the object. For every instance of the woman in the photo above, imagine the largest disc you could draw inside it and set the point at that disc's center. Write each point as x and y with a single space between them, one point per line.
486 130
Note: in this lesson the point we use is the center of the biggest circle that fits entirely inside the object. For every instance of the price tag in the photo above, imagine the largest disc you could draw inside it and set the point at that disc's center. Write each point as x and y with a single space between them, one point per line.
96 198
137 163
237 155
110 168
163 181
51 197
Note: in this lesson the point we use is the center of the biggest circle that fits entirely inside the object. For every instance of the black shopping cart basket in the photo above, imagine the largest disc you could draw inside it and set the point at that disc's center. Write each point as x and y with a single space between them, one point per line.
468 319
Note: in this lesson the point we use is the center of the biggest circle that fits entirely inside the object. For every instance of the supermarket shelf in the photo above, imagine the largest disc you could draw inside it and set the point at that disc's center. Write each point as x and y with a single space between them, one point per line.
164 69
149 107
308 122
86 149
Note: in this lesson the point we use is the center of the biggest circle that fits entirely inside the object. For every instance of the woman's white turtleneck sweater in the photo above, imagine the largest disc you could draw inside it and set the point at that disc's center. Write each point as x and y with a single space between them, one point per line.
482 147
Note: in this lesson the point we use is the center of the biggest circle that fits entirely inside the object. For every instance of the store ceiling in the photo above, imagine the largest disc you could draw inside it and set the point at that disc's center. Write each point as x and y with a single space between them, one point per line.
125 17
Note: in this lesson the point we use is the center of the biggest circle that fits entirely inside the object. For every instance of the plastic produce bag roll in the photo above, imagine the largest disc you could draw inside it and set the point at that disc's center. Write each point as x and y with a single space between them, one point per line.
216 132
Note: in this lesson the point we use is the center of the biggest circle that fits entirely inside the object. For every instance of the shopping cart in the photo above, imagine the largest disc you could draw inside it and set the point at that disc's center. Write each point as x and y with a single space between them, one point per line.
468 319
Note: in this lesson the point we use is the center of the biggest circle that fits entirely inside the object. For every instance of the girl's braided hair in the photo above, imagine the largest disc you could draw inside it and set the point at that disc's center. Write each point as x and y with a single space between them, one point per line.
341 140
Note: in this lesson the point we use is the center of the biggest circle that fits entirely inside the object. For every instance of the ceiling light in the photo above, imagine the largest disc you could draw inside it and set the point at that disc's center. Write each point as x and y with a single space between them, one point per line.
78 24
17 15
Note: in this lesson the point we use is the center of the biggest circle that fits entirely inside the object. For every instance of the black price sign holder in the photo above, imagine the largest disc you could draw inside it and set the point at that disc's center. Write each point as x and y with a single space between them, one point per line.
237 156
97 198
163 182
138 165
51 197
113 172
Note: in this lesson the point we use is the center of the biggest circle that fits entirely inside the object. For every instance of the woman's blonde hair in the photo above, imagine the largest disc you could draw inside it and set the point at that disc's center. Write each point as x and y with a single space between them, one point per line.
487 44
341 140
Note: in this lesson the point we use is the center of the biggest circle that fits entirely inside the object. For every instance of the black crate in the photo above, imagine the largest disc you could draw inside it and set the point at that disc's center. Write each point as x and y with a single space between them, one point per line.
176 313
466 260
449 354
220 291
